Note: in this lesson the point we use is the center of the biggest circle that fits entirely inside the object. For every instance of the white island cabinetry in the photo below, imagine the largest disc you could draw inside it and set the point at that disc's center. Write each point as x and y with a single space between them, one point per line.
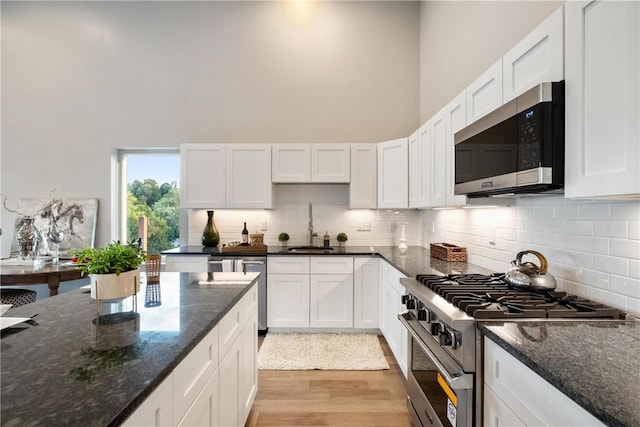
216 383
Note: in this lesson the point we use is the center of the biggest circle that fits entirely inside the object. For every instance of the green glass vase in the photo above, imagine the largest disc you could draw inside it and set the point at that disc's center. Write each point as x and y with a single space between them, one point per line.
210 235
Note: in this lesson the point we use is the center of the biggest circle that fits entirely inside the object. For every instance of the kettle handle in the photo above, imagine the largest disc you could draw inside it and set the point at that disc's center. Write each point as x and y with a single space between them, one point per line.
543 261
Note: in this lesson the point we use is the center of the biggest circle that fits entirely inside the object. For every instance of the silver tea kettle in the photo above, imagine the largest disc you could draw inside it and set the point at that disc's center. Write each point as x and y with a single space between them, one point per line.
529 275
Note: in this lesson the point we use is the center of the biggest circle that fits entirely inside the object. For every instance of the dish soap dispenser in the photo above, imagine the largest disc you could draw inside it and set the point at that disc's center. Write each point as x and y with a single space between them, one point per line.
326 239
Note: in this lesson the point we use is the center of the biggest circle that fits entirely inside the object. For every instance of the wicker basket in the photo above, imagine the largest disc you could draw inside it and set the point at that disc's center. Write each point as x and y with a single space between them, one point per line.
448 252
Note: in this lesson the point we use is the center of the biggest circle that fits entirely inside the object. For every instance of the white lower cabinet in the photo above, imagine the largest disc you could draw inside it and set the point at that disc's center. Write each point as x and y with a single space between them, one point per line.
205 409
216 383
288 300
331 301
366 292
522 397
157 409
391 304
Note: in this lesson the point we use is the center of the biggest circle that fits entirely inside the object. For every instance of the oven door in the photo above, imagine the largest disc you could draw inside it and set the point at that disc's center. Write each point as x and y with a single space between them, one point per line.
440 393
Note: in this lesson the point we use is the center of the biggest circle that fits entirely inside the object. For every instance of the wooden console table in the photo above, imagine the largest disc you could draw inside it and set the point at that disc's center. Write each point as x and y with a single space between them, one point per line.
52 275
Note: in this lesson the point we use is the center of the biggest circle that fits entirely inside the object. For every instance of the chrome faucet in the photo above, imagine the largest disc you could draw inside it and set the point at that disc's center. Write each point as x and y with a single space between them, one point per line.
310 224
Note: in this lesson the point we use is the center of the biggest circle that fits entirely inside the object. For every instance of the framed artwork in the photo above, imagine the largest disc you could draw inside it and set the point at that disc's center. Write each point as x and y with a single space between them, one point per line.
75 217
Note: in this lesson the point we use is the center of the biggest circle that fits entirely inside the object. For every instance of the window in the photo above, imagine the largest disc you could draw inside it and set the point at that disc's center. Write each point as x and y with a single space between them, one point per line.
149 198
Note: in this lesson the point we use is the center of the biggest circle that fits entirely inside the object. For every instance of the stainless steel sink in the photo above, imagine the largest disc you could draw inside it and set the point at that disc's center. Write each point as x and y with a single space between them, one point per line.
310 249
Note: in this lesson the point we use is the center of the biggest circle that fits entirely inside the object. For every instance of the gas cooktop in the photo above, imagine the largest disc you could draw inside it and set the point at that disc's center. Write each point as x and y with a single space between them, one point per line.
491 297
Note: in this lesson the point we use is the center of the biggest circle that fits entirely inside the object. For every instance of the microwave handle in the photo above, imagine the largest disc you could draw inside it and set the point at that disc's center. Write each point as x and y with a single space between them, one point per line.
459 382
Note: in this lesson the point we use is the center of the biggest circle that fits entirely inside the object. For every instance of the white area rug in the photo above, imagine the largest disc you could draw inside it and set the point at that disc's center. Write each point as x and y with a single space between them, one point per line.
348 352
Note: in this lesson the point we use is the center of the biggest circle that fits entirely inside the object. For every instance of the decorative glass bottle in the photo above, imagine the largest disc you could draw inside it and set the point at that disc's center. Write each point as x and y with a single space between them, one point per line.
210 235
29 239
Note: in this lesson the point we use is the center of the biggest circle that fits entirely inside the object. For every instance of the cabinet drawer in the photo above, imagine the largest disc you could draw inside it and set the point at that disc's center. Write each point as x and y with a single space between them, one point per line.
186 263
331 265
288 265
191 375
229 329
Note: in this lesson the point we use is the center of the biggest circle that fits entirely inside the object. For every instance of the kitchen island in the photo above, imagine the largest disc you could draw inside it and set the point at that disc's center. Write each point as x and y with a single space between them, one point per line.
62 368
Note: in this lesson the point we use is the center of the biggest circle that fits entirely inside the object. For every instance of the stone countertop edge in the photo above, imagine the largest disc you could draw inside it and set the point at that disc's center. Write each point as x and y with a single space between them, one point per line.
60 336
615 403
415 260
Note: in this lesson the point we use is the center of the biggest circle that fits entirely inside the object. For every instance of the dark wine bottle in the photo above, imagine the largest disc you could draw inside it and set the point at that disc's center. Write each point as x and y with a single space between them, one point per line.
245 235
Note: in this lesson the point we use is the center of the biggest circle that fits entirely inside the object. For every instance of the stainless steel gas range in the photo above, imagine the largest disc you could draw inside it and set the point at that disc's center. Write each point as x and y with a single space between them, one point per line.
445 364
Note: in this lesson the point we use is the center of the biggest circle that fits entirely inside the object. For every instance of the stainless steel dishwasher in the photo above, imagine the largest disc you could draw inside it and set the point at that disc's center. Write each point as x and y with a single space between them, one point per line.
257 264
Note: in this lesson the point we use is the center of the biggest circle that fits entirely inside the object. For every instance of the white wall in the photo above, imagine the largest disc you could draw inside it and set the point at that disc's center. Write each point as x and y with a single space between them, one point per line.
460 39
330 213
593 248
80 79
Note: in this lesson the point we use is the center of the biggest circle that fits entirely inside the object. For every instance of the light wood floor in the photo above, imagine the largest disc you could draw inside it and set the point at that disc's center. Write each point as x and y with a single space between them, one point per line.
332 398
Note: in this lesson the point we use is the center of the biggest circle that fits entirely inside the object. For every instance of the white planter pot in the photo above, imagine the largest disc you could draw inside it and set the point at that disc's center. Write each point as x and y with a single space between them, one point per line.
115 286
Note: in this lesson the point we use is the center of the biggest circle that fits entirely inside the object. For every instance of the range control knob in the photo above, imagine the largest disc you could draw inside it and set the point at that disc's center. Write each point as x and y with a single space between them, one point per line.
411 304
435 329
404 299
423 315
445 338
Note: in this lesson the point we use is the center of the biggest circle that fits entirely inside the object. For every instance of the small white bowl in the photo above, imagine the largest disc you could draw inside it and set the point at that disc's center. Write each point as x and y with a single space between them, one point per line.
4 308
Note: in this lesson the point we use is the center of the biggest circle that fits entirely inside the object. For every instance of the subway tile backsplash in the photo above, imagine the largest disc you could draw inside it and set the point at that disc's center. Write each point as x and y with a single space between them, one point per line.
593 247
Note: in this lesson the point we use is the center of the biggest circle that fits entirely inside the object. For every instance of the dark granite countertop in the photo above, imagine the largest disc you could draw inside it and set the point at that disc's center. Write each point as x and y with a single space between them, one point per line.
595 363
415 260
66 370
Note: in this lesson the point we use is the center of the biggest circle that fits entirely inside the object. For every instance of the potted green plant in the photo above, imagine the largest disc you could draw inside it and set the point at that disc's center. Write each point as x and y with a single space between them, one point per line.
114 269
283 238
341 238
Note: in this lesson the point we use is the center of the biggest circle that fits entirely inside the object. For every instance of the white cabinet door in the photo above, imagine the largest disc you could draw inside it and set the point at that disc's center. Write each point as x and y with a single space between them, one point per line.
290 163
485 93
438 166
331 301
248 183
205 409
456 118
202 176
193 372
230 379
496 413
415 171
288 300
363 189
330 163
186 263
249 364
514 383
392 329
157 408
535 59
602 45
366 293
393 174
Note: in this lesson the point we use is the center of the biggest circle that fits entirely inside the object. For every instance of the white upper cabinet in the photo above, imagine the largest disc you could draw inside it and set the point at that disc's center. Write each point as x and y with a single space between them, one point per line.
537 58
438 166
202 175
303 163
330 163
363 190
249 176
456 119
393 174
291 163
485 93
420 152
602 49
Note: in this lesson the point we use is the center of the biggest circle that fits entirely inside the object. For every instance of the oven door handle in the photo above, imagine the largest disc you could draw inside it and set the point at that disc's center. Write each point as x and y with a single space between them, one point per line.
457 382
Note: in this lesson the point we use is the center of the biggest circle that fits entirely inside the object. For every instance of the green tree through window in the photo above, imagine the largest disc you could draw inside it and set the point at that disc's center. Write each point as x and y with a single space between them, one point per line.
158 202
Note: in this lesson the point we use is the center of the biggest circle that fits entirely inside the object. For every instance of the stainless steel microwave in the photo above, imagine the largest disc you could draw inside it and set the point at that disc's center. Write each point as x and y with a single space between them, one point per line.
516 149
